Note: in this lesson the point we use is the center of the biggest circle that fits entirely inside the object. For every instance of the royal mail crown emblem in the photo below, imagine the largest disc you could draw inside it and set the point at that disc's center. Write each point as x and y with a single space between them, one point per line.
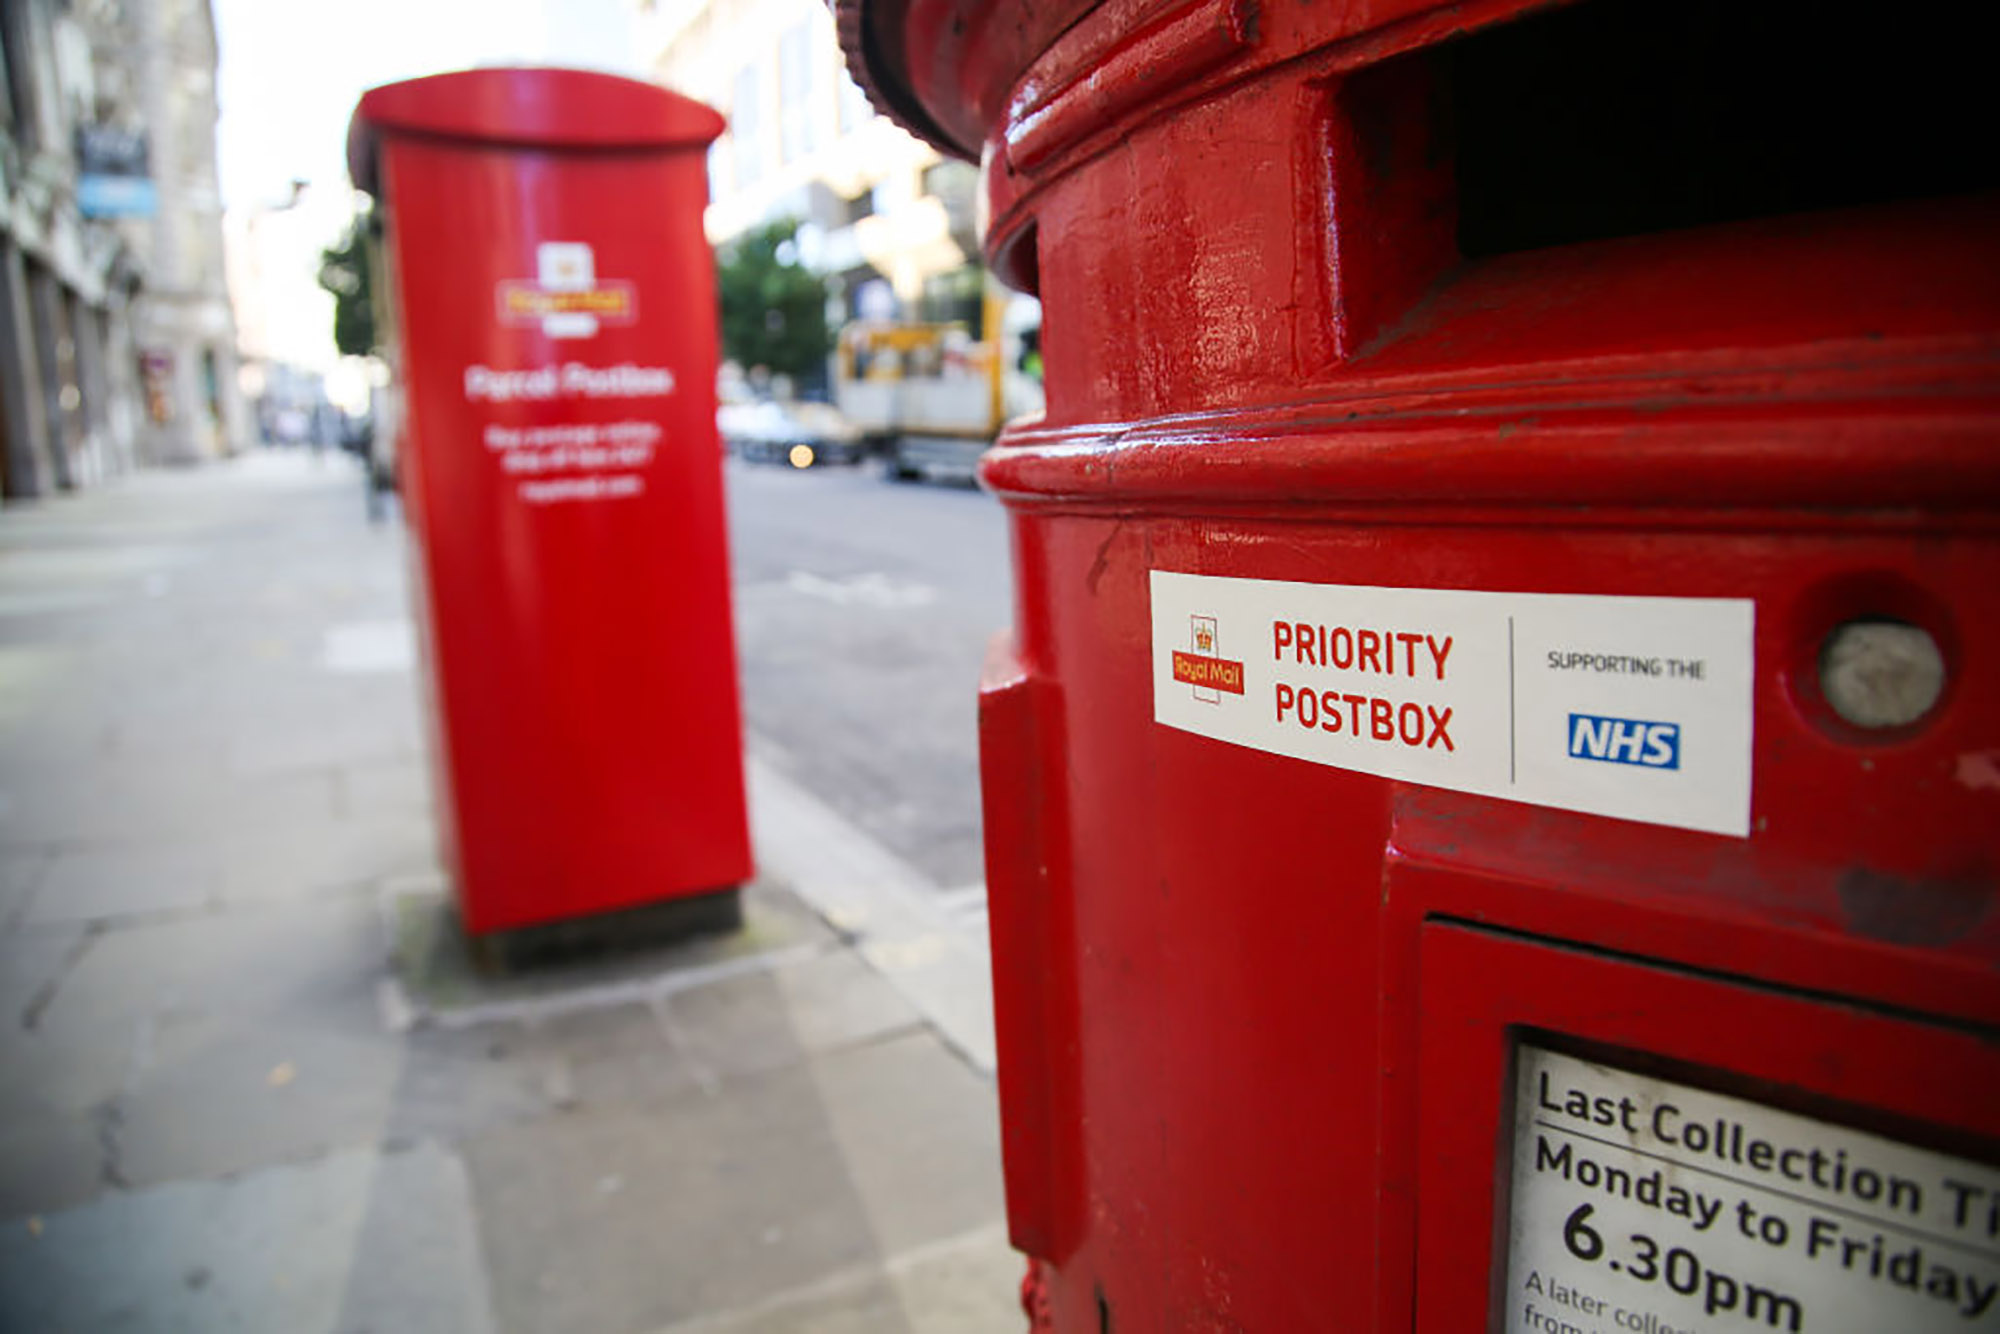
1209 676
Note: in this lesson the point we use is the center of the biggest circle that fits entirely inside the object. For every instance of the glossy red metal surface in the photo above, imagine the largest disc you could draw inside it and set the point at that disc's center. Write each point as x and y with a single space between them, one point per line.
1256 1015
543 108
563 481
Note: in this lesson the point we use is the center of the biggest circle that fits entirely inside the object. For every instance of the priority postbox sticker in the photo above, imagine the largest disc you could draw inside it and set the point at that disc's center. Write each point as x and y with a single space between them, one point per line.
1633 707
1638 1204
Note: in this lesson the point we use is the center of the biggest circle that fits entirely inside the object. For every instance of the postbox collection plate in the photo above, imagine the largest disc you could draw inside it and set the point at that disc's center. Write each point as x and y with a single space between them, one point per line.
1803 1165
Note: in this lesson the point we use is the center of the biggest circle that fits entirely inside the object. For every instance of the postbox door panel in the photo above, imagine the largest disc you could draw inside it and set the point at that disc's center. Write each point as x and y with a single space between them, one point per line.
1611 1144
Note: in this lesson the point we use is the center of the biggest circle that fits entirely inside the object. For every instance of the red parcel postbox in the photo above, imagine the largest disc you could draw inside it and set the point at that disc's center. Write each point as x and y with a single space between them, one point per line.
555 342
1493 793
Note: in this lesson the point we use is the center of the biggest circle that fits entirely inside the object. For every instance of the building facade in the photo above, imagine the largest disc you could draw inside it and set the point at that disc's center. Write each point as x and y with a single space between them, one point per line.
115 341
67 392
182 321
885 217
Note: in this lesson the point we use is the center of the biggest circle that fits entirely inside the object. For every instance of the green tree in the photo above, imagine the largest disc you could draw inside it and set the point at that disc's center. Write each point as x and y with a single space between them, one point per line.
773 307
344 271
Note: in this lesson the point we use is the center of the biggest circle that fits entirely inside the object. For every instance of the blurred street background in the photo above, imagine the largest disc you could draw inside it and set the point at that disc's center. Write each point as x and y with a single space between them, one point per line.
247 1087
249 1075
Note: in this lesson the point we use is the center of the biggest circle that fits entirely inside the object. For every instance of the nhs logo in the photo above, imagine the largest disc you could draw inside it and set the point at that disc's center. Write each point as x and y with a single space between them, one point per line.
1624 741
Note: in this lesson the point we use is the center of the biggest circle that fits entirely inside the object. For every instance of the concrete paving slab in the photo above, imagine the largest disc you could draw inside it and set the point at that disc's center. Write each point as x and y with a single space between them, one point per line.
627 1219
393 700
71 1075
21 873
458 1082
232 1097
740 1025
417 1263
621 1054
318 741
666 1043
930 950
390 787
30 958
314 962
770 1182
136 804
836 1001
946 972
350 1242
324 855
159 737
48 1161
29 673
366 647
920 1135
52 1101
67 1073
961 1285
104 884
968 1285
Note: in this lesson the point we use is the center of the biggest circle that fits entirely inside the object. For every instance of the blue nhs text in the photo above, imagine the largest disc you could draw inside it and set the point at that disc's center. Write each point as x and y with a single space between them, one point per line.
1625 741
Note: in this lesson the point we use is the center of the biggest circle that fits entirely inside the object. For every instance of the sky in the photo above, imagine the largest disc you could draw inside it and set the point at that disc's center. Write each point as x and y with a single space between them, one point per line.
290 74
292 70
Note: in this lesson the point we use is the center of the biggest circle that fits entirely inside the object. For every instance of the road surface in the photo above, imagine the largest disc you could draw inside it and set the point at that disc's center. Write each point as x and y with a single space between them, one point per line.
863 610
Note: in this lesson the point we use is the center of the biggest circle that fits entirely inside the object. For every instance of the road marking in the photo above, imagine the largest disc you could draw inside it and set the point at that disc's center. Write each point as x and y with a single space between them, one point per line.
366 647
862 590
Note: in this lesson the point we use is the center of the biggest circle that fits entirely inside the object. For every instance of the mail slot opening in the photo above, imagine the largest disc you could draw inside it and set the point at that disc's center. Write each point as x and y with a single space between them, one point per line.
1695 175
1619 117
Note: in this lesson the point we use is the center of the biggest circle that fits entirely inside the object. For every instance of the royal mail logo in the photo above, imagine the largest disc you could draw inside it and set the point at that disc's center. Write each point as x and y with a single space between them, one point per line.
1209 674
565 297
1625 741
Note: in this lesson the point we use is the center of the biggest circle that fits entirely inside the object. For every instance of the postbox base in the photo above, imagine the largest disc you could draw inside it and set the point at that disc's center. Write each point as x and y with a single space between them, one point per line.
648 926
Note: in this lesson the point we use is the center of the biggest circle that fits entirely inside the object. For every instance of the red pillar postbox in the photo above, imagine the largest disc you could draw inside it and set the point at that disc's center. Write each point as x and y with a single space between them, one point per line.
556 338
1493 794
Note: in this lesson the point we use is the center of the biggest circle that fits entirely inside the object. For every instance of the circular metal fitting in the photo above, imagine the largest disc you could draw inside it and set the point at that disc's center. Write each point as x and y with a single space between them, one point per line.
1881 673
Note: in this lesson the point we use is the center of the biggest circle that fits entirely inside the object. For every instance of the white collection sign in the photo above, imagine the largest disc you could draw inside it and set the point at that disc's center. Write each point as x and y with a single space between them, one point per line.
1636 707
1648 1206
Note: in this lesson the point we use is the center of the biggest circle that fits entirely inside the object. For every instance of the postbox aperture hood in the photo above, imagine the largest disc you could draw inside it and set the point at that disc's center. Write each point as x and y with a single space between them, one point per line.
556 108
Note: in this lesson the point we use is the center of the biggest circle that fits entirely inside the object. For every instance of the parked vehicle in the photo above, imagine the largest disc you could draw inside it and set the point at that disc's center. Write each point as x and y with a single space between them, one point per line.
802 434
929 397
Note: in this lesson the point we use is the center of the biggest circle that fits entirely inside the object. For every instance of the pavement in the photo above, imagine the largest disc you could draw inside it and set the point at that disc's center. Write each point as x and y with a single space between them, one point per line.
248 1079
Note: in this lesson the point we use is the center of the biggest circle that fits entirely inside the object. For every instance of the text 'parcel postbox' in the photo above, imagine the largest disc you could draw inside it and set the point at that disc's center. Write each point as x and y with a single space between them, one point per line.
555 342
1493 795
